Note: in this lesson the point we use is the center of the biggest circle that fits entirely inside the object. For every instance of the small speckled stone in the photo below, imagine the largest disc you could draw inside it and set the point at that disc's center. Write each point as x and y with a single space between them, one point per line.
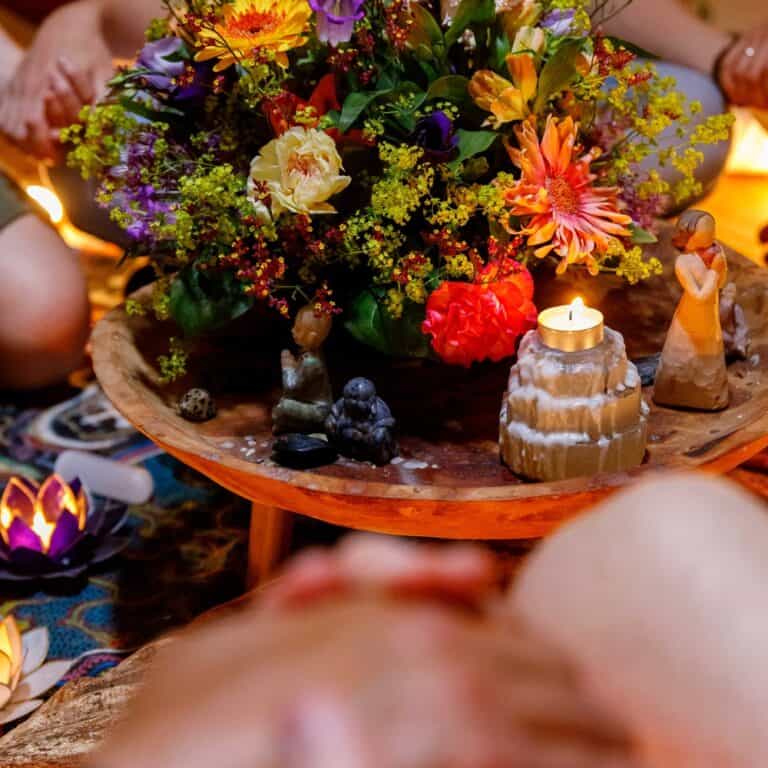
197 405
302 452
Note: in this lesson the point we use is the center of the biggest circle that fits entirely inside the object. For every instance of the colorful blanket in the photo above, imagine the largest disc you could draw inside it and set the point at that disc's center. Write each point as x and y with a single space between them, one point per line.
187 551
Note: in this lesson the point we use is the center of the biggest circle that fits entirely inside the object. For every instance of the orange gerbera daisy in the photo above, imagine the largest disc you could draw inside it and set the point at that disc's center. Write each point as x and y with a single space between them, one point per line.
566 213
247 25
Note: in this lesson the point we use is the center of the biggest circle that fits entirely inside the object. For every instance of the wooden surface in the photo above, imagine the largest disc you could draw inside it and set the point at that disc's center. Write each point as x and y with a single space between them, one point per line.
75 719
268 541
451 483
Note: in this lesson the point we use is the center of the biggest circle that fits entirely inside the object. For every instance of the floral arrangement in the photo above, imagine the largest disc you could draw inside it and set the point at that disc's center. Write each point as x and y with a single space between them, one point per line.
404 163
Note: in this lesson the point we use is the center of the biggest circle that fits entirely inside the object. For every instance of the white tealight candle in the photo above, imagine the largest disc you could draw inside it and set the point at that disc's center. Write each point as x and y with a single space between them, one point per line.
572 327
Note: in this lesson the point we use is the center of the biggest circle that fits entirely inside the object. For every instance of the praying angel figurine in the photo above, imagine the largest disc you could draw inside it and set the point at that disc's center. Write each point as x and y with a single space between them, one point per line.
692 372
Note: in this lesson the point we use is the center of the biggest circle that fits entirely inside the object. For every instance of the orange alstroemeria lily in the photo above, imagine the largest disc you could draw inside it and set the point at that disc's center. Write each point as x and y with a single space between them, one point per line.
506 101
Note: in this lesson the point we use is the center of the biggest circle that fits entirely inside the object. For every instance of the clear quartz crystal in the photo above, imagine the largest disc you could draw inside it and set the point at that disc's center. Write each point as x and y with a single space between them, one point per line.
570 414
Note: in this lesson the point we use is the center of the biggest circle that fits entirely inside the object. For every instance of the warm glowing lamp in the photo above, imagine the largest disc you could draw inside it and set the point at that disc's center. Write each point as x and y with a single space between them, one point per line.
750 143
11 658
24 678
45 519
55 530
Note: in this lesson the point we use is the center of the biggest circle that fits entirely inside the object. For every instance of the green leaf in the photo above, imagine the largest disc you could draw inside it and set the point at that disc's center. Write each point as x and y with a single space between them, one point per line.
364 321
425 28
500 49
200 302
371 324
183 54
423 52
469 13
558 73
642 236
161 115
406 121
472 143
354 105
450 87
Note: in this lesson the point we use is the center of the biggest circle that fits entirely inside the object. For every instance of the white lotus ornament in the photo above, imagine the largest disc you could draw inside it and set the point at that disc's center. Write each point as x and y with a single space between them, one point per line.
24 676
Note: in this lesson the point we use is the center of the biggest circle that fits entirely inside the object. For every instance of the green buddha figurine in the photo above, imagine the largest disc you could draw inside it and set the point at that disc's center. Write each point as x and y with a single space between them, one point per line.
307 396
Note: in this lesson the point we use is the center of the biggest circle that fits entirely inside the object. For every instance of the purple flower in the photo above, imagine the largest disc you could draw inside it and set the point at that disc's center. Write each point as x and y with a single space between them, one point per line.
155 58
168 71
336 19
436 136
559 21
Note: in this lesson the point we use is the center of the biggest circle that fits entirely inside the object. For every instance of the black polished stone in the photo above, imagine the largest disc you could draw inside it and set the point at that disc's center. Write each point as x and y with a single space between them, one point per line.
302 452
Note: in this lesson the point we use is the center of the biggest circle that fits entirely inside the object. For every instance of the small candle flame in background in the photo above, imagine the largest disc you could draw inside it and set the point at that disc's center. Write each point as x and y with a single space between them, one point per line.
48 200
51 203
40 509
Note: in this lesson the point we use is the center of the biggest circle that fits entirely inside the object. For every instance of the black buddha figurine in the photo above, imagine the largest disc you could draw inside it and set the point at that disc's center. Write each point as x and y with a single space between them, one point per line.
361 425
307 398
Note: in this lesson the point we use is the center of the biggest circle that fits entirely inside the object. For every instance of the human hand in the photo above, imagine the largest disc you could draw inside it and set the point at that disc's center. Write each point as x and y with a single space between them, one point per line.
363 684
66 67
366 564
287 360
743 70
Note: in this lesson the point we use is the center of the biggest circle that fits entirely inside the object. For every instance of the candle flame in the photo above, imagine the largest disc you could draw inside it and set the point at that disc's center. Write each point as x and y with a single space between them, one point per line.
48 200
44 508
576 306
43 529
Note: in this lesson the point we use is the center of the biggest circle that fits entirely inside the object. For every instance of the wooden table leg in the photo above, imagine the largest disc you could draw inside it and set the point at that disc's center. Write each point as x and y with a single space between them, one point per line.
268 541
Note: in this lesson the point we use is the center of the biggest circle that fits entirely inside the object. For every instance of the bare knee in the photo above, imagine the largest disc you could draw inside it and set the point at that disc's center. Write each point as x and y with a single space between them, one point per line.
657 596
675 513
677 545
45 316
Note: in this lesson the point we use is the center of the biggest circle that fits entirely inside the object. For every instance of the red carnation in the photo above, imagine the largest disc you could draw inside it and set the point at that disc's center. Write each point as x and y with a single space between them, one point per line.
281 111
471 322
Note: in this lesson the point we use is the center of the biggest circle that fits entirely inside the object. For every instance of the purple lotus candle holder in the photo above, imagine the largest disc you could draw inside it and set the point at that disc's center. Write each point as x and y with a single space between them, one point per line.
55 530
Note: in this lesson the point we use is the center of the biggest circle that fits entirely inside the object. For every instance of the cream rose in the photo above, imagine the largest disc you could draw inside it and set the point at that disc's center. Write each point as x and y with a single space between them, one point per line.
301 170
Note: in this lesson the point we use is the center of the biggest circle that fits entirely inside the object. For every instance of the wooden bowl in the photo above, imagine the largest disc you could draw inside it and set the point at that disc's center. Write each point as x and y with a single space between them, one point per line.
450 483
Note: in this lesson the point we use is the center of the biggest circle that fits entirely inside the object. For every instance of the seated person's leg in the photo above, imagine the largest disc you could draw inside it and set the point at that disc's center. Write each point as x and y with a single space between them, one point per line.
44 313
660 596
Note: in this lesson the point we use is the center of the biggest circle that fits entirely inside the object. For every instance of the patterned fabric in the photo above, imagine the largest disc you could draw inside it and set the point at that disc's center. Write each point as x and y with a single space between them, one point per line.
187 554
